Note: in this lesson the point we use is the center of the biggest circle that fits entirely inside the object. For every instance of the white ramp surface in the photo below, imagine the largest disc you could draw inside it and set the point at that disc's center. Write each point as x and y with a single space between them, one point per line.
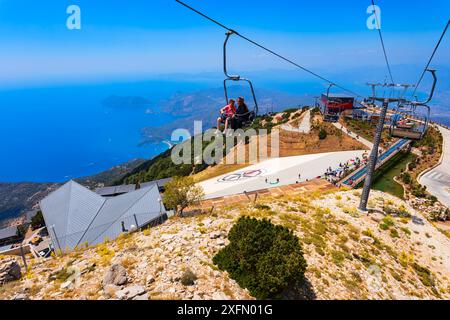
276 172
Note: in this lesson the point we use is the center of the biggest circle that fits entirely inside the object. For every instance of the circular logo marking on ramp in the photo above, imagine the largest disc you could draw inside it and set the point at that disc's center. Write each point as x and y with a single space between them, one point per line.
238 176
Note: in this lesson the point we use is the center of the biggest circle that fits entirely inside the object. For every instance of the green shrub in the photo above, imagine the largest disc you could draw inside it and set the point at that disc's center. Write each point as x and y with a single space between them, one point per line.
424 274
387 223
37 221
262 257
394 233
188 278
406 178
322 134
433 199
315 111
262 207
291 110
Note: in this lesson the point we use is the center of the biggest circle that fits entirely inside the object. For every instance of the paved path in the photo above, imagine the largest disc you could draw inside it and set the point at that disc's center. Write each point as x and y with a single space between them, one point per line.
437 180
353 135
304 127
276 172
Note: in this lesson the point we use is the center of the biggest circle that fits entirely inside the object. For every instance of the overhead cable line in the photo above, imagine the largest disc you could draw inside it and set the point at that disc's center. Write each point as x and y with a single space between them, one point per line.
382 44
268 50
431 58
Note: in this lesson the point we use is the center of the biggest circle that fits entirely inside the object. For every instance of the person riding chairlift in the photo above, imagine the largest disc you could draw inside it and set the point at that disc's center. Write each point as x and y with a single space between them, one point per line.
226 113
241 116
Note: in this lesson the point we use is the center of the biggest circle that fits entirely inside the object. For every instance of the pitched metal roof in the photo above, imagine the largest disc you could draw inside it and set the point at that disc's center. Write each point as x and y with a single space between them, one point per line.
339 95
5 248
106 191
75 215
160 183
9 232
115 190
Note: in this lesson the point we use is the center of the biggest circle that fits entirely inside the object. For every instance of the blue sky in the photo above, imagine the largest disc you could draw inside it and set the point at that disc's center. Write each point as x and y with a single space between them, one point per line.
137 39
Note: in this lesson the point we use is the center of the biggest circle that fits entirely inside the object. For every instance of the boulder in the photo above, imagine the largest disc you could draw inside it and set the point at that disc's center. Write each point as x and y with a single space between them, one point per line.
366 239
9 271
130 292
196 297
143 297
110 290
20 297
207 222
67 285
116 275
215 235
220 296
221 243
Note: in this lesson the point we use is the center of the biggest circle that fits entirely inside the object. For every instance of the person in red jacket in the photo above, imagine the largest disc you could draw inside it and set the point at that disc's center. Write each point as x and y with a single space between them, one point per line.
226 113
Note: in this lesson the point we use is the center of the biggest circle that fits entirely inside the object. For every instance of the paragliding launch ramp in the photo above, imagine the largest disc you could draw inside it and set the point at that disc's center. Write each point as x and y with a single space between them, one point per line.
276 172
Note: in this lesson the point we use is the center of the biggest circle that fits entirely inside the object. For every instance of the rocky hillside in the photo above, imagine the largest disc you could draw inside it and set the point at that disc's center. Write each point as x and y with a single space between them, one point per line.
15 198
109 176
349 256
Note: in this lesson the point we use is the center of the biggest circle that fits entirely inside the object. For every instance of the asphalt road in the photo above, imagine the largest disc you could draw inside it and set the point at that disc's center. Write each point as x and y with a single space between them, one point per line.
437 180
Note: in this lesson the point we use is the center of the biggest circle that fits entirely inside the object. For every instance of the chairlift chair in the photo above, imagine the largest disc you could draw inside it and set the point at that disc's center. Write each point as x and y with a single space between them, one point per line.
407 122
327 115
252 114
411 125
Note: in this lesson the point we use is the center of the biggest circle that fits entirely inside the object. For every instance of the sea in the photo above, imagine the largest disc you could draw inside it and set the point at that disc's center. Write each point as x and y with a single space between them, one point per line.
61 132
57 133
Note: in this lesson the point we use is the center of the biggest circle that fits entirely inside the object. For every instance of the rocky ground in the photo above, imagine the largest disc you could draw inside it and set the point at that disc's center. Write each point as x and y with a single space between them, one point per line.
349 255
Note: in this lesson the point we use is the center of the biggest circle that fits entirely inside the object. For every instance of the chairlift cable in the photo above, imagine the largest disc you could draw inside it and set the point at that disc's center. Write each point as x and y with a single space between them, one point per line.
431 58
268 50
382 44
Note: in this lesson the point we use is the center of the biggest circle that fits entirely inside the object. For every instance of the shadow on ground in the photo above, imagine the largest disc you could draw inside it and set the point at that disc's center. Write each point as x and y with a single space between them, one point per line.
302 291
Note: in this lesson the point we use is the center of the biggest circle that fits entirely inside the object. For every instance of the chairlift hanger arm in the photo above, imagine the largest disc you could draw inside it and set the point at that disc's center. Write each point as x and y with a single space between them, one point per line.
235 77
225 60
430 96
432 57
225 65
328 91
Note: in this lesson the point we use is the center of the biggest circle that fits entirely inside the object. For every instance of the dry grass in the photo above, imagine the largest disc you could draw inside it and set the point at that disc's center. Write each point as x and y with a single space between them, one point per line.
296 144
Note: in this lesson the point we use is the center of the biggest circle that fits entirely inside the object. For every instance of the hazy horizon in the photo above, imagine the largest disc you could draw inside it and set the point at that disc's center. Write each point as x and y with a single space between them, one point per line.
135 40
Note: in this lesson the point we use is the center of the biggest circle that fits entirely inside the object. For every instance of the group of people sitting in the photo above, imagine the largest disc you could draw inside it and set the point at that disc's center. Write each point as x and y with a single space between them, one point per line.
233 117
334 176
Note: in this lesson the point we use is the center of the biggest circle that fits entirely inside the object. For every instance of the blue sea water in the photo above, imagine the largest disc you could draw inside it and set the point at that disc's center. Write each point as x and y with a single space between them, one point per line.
54 134
57 133
442 120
